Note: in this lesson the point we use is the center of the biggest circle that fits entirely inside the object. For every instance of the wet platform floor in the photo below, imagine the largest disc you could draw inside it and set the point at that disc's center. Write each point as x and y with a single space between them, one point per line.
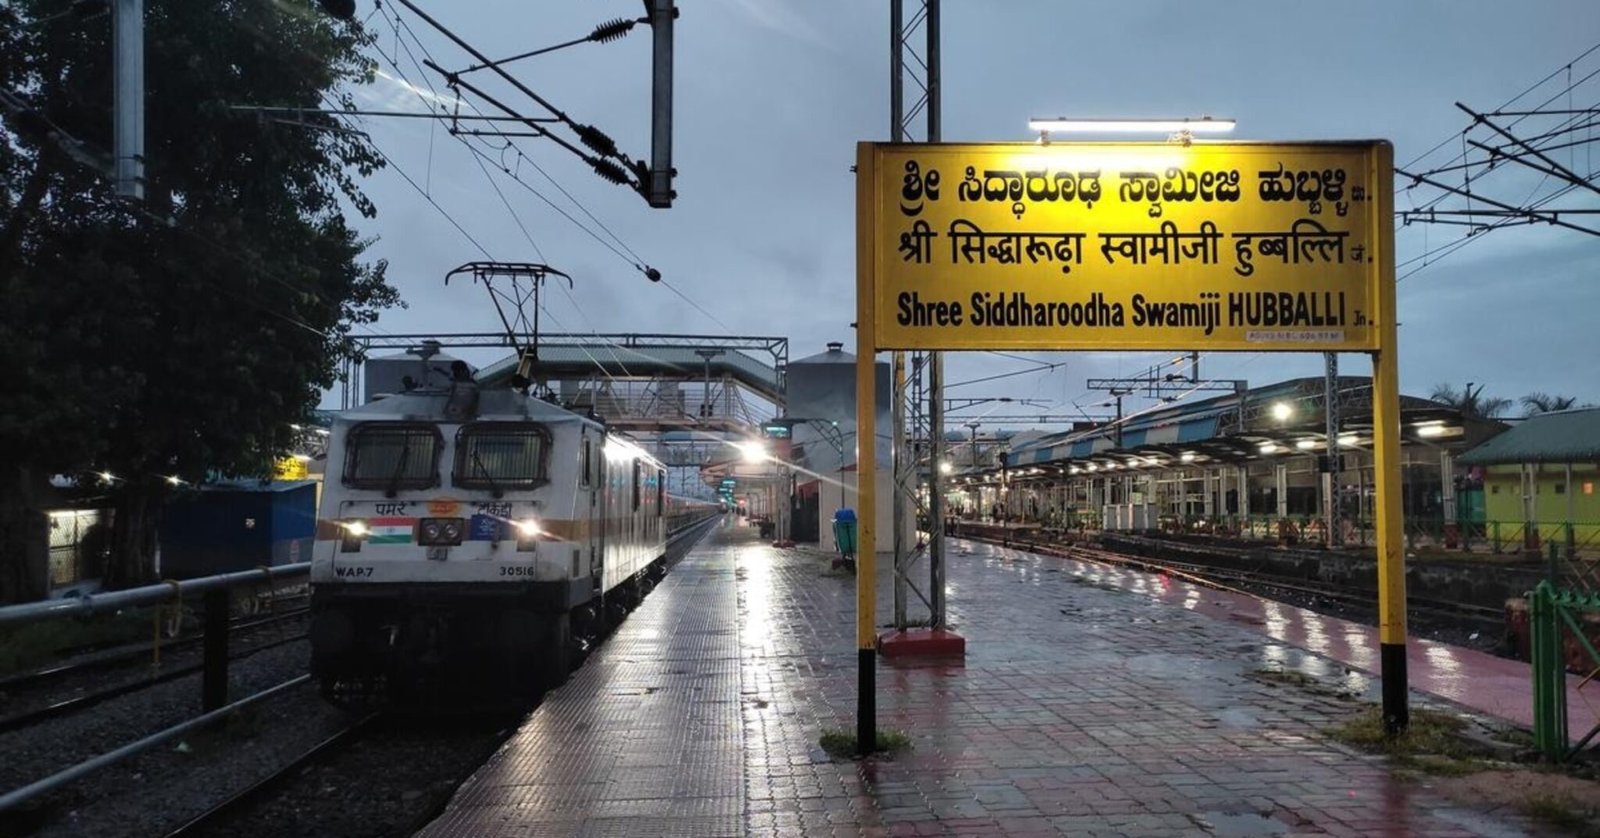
1082 708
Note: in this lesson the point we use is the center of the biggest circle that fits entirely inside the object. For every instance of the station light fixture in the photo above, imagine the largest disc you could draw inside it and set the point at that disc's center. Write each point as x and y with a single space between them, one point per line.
1347 439
1282 411
945 467
1306 444
1431 429
1268 448
107 476
1187 457
753 451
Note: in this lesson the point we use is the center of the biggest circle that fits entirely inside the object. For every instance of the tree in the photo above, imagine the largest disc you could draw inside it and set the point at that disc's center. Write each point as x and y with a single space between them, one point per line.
1471 402
1534 404
180 338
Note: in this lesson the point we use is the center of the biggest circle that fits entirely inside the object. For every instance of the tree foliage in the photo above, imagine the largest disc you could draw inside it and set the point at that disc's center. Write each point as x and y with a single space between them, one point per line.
1471 402
1534 404
182 336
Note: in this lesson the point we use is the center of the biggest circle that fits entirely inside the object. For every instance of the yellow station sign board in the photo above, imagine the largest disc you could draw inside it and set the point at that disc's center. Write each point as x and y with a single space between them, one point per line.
1126 246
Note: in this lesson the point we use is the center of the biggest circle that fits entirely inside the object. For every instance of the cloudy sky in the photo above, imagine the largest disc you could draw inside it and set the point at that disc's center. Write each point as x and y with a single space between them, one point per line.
772 95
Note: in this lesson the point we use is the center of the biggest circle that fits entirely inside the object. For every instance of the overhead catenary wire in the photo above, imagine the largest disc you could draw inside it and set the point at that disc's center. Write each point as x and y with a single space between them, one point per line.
516 218
621 248
1576 121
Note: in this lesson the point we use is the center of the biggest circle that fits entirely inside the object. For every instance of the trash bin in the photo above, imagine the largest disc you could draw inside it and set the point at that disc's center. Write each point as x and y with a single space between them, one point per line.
844 535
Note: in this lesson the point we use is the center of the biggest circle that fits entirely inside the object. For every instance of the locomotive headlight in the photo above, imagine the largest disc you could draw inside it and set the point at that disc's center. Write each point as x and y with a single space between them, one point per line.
353 533
528 532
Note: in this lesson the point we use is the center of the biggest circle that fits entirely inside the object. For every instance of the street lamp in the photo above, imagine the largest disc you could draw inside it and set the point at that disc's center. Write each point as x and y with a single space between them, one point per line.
1282 411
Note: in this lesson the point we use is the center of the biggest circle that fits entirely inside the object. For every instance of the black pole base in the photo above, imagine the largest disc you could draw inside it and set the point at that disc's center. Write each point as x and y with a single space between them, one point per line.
214 669
867 702
1396 689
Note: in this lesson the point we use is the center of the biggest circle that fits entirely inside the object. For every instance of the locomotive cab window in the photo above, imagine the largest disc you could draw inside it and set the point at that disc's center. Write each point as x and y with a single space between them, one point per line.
392 456
501 455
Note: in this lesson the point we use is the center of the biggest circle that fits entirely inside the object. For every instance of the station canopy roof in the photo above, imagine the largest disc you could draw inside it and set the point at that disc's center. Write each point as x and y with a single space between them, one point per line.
1567 436
1233 428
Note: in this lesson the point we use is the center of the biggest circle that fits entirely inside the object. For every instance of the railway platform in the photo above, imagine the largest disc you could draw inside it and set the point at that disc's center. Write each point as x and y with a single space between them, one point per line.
1091 701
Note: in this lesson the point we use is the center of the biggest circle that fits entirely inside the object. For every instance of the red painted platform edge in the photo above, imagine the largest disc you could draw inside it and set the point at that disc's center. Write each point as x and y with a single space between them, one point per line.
921 642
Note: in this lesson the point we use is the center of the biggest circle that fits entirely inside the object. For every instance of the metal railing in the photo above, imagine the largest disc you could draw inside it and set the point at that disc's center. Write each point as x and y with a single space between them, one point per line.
1570 540
217 604
216 610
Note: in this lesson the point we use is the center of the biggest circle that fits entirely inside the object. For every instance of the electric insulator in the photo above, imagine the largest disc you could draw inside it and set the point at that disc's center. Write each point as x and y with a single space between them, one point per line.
596 139
610 171
611 30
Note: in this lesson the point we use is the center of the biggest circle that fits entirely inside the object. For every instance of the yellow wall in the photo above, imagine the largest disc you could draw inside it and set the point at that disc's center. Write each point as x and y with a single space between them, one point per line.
1502 499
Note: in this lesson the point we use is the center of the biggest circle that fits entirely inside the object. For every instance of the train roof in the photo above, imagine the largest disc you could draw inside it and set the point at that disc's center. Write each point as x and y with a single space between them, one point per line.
493 405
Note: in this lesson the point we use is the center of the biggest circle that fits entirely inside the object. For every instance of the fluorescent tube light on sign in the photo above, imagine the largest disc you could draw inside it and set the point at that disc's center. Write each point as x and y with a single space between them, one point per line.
1065 125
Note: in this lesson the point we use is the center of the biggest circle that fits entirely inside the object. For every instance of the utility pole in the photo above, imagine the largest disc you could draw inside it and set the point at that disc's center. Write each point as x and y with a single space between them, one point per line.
909 386
127 50
1116 428
936 571
705 397
1330 410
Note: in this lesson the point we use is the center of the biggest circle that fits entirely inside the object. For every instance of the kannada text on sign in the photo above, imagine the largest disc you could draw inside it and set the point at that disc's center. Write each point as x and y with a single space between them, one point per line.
1127 246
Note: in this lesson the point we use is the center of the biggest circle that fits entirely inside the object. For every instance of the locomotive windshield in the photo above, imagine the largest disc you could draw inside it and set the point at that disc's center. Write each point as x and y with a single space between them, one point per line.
392 455
500 455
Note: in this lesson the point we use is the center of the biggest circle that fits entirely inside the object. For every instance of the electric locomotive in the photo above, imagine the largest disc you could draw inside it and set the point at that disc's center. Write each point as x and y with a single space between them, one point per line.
476 541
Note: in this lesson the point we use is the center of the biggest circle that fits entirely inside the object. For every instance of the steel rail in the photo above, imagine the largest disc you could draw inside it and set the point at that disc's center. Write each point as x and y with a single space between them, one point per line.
76 703
339 741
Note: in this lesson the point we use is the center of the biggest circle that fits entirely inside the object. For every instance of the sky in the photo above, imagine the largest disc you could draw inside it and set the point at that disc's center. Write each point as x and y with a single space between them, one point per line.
772 95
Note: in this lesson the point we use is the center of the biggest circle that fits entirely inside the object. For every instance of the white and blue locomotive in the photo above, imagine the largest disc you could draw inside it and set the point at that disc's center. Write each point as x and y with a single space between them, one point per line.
477 541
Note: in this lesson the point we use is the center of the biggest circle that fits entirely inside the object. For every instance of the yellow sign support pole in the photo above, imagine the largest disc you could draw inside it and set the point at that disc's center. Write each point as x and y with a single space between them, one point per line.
1386 475
866 457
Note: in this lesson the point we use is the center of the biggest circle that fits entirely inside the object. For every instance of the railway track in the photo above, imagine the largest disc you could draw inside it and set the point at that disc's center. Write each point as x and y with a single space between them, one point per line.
56 708
241 800
1254 583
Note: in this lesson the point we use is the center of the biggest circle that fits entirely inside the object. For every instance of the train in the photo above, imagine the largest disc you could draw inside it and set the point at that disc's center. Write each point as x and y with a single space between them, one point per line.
478 542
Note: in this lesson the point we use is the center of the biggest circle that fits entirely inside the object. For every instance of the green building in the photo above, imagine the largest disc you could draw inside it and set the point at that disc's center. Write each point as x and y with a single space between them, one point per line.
1541 481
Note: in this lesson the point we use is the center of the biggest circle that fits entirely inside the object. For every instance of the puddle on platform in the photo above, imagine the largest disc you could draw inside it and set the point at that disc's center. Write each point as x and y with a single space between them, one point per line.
1238 717
1239 825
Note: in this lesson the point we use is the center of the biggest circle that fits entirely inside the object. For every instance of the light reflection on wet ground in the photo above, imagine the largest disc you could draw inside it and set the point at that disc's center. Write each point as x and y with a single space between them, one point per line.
1080 709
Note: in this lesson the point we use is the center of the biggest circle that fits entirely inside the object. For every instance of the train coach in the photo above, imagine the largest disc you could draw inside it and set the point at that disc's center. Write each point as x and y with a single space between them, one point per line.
476 541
